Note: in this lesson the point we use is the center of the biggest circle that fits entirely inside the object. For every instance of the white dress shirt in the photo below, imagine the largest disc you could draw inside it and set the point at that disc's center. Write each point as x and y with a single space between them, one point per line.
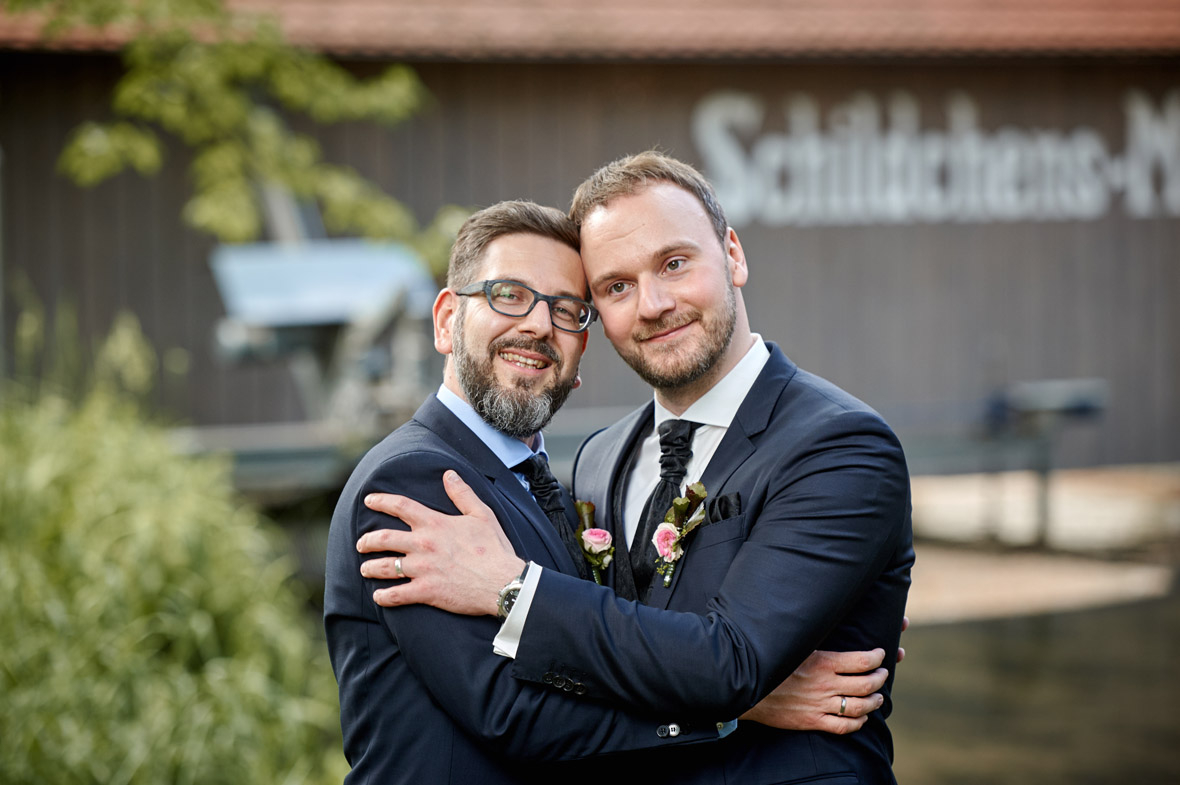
715 410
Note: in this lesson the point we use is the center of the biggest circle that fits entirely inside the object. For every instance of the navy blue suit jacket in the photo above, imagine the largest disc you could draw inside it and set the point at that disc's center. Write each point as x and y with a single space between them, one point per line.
423 697
817 558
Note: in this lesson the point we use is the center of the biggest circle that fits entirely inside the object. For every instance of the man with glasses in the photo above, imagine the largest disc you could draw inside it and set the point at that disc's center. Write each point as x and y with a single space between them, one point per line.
423 697
806 541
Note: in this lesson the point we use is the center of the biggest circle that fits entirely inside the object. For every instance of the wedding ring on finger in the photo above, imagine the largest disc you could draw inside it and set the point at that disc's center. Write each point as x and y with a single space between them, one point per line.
843 699
397 568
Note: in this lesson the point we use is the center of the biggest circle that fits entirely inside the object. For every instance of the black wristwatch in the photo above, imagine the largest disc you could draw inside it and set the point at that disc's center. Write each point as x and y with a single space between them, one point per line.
509 593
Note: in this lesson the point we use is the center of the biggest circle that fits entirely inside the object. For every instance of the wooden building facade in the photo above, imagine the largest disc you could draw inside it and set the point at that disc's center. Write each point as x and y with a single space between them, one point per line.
921 230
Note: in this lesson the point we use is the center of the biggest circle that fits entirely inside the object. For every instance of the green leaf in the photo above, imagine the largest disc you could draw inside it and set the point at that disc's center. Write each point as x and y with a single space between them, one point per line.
223 83
95 152
227 210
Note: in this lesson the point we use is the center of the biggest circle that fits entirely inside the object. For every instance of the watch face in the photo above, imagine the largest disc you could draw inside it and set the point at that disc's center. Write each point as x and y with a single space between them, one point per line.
508 596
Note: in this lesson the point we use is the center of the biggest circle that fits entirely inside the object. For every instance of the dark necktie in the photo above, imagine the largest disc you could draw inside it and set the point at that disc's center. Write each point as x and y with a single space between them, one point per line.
675 452
547 492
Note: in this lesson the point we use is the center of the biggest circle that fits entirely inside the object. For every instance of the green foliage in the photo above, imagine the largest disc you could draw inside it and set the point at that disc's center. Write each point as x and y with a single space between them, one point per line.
219 82
151 631
97 152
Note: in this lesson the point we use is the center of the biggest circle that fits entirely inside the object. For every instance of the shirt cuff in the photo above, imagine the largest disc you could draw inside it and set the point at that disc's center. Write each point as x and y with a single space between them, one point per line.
726 728
508 638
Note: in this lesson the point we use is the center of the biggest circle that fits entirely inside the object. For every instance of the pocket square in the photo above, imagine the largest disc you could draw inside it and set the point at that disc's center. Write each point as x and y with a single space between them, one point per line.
721 508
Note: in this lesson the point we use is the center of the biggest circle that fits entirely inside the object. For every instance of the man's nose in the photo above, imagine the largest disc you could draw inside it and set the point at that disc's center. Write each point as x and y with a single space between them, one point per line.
655 299
538 321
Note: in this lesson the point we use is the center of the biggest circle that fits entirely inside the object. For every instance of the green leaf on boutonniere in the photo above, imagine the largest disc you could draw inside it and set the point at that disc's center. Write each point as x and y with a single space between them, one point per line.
597 546
686 513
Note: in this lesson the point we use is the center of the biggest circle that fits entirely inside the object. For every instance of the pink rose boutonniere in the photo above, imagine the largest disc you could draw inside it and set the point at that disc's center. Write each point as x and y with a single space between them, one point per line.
597 547
684 516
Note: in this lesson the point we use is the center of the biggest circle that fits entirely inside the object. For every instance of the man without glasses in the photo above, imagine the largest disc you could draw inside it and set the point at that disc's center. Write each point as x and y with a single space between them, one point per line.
423 697
807 544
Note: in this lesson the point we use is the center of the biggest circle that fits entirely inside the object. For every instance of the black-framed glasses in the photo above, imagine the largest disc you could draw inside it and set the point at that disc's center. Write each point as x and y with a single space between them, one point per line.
512 298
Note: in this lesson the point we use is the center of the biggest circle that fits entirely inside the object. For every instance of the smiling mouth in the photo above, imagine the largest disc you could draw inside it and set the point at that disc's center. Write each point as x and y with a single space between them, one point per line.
523 362
663 331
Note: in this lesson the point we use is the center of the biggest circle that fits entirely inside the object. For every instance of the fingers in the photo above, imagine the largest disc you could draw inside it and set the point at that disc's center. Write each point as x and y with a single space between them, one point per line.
900 653
860 686
832 723
851 661
384 541
411 512
875 680
463 497
855 707
403 594
905 623
385 568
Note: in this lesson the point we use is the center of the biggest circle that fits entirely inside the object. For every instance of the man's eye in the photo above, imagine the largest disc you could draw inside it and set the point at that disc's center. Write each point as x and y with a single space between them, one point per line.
674 265
505 293
618 287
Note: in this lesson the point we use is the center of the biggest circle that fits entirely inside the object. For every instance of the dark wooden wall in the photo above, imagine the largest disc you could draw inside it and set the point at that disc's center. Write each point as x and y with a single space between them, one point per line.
118 246
922 320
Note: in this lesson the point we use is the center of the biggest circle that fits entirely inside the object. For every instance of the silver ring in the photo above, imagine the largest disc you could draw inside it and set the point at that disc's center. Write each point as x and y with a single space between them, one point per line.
397 568
843 700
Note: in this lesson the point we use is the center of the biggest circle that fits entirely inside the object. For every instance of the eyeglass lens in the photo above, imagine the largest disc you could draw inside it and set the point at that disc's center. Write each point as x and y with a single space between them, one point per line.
514 299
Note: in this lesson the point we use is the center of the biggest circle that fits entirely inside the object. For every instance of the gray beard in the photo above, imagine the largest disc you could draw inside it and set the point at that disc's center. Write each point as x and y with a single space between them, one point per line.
510 414
517 412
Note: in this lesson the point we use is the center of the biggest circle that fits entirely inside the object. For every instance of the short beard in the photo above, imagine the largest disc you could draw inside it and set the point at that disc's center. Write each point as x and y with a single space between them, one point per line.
518 412
718 334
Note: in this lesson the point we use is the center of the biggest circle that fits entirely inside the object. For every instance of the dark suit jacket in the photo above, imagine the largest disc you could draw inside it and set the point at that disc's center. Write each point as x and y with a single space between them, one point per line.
423 697
818 558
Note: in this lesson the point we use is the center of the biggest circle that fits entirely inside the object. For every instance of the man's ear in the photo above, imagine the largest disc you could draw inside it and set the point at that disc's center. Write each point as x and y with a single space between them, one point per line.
585 343
445 311
735 259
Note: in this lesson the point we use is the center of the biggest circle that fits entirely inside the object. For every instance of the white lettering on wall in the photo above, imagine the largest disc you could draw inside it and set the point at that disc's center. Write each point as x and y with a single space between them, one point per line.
876 164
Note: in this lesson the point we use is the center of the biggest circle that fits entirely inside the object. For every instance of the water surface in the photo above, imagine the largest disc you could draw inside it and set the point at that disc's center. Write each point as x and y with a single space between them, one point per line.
1069 698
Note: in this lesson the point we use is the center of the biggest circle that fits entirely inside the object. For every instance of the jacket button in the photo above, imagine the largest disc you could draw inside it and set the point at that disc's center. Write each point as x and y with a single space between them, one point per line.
580 689
673 730
568 686
662 731
548 678
559 682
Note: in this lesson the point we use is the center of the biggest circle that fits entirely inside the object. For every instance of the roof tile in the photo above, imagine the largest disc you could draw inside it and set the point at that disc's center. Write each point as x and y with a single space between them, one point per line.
696 29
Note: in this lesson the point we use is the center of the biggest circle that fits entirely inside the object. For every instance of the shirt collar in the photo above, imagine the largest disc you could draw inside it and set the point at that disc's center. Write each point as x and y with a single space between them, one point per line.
508 449
719 405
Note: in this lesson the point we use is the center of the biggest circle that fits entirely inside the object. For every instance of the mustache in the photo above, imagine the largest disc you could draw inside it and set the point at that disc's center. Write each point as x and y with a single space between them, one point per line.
539 347
653 329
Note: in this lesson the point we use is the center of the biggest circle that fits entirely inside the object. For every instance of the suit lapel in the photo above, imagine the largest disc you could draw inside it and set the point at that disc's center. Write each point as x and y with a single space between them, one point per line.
751 419
739 443
532 533
600 476
539 523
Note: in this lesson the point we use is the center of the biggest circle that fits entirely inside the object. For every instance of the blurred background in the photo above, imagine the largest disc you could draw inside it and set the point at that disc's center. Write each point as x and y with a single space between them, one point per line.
966 214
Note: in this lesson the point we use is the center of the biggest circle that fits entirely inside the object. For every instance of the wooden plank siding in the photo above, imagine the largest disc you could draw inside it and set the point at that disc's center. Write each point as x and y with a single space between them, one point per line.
119 246
923 320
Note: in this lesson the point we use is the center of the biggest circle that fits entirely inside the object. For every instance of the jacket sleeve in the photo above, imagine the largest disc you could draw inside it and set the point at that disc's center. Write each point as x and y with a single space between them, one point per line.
452 657
823 538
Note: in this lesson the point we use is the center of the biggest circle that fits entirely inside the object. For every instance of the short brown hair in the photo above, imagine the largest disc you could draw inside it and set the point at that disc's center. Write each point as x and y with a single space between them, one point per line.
515 217
628 175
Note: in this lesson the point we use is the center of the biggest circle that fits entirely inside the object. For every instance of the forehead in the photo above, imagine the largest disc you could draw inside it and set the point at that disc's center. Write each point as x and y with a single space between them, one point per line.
545 264
643 224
